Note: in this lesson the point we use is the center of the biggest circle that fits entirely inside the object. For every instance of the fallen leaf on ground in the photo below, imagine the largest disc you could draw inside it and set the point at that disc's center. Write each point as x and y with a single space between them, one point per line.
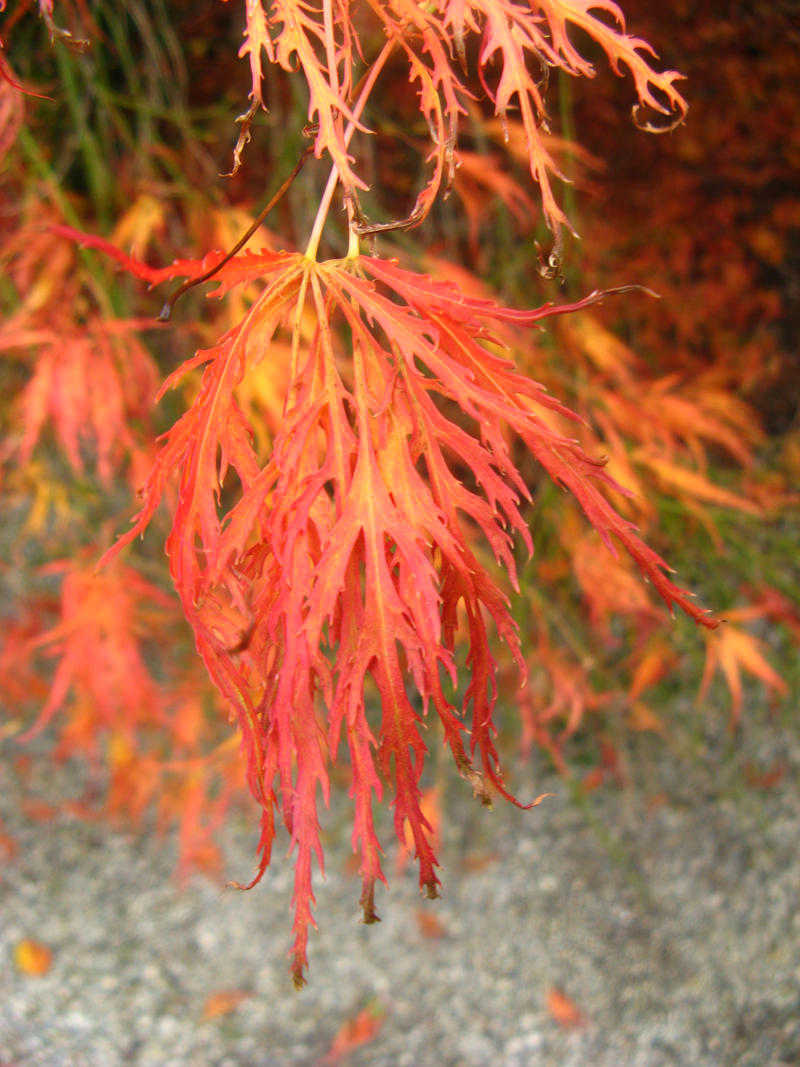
353 1033
223 1002
32 957
430 925
564 1010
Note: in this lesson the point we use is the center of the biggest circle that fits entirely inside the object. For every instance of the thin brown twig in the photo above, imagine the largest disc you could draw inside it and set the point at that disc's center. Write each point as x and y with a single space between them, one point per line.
166 311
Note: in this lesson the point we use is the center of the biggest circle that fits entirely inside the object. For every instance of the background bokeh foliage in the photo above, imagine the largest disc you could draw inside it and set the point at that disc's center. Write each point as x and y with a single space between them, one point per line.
693 398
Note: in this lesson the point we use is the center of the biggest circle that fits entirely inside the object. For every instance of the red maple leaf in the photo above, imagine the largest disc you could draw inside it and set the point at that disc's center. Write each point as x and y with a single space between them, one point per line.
347 555
350 557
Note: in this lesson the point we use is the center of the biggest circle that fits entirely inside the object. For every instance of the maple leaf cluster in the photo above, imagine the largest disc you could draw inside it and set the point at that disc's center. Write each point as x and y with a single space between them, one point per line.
343 538
347 555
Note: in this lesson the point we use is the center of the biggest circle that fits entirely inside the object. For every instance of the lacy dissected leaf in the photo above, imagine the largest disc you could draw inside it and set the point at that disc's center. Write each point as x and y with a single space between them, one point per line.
58 33
732 650
319 42
350 483
247 266
345 559
89 382
425 40
107 700
656 90
519 43
535 36
92 385
98 642
662 428
257 39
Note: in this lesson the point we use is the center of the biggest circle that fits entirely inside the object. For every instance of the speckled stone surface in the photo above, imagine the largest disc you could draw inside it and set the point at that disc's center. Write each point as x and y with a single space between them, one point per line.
673 926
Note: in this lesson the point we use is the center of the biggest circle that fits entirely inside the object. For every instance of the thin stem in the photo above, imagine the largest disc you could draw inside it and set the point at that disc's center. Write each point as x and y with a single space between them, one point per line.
327 196
333 80
166 311
330 48
353 247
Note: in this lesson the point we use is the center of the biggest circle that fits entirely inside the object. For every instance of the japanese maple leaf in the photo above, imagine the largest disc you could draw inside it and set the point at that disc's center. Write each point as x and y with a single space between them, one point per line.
519 41
90 383
345 559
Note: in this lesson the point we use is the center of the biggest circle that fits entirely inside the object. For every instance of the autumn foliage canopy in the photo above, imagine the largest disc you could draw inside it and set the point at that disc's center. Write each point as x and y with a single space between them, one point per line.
347 470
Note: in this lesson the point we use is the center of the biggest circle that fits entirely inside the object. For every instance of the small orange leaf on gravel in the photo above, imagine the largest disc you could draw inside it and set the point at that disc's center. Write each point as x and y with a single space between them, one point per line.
223 1002
565 1011
430 925
354 1032
32 957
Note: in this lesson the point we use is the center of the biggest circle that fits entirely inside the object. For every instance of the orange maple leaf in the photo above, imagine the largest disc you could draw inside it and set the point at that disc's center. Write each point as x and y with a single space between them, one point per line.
345 558
732 650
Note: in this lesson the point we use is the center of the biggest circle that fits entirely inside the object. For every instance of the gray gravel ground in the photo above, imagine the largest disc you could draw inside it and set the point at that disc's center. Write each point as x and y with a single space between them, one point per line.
674 928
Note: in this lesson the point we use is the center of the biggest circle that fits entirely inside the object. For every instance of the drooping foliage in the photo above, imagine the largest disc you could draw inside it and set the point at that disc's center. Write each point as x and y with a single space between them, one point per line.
349 480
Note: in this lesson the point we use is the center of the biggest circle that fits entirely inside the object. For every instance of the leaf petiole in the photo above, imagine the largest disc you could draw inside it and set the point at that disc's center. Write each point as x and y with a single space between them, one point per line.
330 188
